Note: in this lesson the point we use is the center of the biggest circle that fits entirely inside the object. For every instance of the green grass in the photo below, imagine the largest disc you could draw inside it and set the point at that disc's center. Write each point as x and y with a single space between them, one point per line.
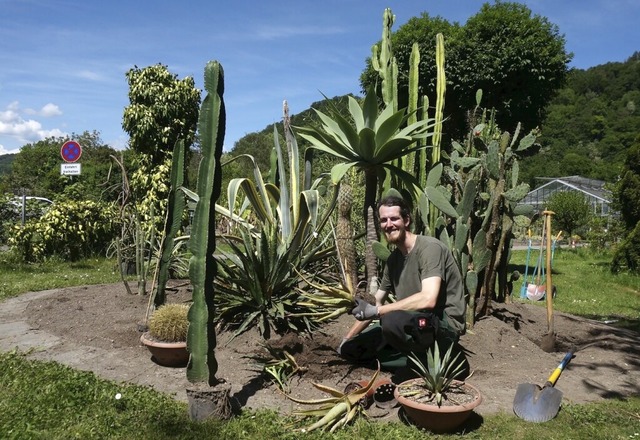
20 278
41 400
586 287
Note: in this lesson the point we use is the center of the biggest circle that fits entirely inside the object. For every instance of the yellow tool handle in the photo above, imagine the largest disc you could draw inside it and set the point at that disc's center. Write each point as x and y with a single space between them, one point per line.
556 373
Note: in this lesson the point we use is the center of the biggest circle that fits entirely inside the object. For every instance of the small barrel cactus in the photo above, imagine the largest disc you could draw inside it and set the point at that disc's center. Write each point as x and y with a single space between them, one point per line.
169 323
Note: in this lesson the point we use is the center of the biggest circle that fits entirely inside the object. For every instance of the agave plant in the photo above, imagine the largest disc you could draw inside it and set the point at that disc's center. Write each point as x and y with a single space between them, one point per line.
325 302
257 276
439 373
374 142
256 284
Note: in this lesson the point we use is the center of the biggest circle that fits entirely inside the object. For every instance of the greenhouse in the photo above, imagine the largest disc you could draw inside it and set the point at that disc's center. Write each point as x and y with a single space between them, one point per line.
593 190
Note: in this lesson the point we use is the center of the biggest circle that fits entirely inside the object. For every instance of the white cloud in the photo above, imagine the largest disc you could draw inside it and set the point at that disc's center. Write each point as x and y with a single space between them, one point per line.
10 114
5 151
27 130
92 76
50 110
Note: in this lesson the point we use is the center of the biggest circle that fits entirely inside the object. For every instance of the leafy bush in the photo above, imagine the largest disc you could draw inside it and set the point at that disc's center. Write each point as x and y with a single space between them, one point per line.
627 254
69 229
7 216
11 213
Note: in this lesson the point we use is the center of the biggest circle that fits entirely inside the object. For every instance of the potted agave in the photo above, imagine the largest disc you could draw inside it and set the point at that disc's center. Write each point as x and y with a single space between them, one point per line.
167 335
435 400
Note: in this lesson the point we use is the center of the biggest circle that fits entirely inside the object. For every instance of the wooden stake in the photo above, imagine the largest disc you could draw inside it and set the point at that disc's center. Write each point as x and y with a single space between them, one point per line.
549 288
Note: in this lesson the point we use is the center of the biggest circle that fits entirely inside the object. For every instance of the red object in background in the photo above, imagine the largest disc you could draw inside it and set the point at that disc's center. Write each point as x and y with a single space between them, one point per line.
71 151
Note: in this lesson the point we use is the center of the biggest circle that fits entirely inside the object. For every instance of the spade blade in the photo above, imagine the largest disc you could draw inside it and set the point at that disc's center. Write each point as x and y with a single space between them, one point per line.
535 404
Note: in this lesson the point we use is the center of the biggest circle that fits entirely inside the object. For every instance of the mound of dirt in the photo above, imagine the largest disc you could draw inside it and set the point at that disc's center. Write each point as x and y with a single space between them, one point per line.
97 328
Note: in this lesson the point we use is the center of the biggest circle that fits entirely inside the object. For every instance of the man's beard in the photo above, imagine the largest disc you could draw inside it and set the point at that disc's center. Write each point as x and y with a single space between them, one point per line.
396 236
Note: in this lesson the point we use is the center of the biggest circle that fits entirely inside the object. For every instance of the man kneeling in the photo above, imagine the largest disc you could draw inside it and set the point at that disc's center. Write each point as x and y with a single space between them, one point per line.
430 305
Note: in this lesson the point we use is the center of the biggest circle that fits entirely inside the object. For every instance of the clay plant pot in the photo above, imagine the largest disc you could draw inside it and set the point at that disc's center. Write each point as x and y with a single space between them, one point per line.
381 392
430 416
167 354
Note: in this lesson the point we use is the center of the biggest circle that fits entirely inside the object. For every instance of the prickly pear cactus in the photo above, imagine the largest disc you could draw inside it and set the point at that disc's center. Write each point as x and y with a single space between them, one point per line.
477 195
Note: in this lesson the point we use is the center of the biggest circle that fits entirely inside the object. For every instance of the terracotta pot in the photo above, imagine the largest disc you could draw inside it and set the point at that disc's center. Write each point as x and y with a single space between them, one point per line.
436 418
167 354
380 390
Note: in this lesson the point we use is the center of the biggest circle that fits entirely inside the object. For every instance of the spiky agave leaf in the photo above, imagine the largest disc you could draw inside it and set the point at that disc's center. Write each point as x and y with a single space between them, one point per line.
440 372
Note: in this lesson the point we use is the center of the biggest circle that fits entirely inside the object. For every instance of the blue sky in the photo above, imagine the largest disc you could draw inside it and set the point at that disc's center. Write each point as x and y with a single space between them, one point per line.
63 62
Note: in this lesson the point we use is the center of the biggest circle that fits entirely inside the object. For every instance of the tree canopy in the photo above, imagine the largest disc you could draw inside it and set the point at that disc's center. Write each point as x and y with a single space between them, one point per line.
36 169
162 110
572 211
627 190
518 60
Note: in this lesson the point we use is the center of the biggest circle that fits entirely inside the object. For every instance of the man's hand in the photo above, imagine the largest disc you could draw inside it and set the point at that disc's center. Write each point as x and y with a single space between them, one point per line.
364 311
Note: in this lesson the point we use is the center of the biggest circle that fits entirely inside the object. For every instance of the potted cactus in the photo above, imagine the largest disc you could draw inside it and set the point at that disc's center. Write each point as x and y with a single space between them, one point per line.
435 400
166 339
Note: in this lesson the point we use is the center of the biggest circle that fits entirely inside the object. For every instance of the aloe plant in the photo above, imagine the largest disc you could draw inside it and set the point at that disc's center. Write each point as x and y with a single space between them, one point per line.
336 411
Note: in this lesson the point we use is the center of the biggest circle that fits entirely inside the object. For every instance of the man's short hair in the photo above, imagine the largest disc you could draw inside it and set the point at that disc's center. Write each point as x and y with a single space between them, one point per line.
392 200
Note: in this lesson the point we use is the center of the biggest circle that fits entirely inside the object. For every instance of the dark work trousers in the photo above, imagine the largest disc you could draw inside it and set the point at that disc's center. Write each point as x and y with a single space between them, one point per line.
398 334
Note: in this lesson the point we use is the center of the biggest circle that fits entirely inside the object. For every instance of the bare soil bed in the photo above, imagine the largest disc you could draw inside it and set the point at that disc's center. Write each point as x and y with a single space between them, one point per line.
96 328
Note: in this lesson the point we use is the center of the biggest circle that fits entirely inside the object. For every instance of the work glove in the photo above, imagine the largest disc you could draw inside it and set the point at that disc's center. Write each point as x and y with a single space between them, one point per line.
364 311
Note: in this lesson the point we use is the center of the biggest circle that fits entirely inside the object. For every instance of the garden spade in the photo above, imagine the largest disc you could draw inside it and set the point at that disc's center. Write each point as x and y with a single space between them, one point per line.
535 404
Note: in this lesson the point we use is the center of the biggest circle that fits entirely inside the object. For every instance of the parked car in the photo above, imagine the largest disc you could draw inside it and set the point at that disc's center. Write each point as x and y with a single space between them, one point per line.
33 206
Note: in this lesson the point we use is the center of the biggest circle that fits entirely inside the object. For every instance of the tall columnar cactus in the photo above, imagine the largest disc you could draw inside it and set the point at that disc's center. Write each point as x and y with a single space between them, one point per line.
412 105
385 63
201 339
176 204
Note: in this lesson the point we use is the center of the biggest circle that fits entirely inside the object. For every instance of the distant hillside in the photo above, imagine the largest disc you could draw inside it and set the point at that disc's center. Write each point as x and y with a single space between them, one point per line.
589 126
5 163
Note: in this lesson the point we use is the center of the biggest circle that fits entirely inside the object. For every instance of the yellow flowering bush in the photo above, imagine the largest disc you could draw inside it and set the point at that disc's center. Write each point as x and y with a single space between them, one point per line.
69 229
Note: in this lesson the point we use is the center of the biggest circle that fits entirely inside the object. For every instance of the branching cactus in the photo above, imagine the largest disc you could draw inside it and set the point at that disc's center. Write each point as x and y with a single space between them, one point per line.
477 194
201 339
385 63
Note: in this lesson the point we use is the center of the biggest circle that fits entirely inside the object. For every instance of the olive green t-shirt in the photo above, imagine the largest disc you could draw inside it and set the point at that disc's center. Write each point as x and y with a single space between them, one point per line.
429 257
